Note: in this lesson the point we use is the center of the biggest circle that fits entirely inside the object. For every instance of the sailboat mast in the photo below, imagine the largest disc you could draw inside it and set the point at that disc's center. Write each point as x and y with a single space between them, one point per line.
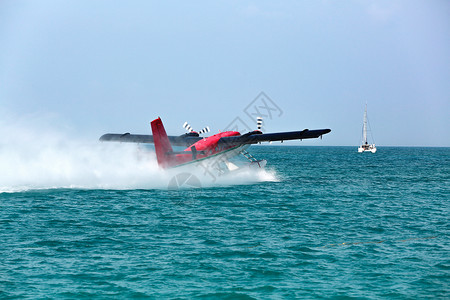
365 126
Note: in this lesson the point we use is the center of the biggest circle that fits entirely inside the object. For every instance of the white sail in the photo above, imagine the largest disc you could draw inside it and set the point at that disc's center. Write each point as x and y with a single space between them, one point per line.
365 126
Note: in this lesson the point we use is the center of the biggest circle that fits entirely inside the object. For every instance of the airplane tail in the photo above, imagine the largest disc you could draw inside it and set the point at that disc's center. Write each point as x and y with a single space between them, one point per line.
162 143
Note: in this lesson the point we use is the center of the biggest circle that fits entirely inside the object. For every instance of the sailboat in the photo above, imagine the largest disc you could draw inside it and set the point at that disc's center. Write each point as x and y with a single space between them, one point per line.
365 146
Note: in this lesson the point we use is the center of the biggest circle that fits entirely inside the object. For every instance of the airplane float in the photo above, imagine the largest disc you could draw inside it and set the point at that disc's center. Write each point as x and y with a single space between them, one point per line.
221 146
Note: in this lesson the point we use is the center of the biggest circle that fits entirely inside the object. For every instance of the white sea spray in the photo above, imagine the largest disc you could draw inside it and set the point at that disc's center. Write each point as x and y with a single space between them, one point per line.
35 155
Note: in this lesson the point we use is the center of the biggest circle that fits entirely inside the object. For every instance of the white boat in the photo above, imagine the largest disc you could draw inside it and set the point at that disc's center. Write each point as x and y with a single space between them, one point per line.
365 146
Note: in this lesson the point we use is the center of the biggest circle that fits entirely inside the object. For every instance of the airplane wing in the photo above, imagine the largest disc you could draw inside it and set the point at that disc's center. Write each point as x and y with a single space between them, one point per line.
248 138
254 138
183 140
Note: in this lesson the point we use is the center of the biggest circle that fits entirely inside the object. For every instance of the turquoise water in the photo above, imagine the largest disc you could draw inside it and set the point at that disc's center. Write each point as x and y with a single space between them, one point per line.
334 224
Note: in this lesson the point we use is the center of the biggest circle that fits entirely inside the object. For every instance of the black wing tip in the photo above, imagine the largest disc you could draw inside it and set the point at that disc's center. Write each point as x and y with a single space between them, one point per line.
104 137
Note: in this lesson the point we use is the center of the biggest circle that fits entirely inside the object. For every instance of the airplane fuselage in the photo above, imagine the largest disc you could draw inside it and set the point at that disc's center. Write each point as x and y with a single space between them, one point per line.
206 147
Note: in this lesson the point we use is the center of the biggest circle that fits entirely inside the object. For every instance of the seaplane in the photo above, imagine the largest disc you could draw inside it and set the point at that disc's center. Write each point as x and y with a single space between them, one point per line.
220 147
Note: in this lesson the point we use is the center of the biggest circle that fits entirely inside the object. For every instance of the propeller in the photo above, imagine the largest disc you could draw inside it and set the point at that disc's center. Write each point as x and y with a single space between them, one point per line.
190 129
187 127
259 122
204 130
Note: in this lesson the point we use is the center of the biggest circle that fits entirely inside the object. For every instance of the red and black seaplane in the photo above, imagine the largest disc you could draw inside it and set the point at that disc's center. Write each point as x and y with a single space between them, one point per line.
222 146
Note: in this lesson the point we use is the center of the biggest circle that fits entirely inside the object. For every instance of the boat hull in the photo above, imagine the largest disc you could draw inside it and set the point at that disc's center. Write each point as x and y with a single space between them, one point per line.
367 148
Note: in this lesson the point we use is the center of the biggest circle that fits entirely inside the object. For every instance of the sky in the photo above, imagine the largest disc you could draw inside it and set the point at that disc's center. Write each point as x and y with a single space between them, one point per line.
91 67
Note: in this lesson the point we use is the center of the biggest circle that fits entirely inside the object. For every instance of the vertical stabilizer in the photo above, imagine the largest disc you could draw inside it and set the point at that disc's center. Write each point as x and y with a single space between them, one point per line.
162 143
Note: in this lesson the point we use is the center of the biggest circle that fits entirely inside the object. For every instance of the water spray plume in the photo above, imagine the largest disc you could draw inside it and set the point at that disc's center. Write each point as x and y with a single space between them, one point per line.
36 156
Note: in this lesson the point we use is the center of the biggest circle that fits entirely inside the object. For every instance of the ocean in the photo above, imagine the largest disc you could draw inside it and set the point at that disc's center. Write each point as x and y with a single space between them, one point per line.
319 222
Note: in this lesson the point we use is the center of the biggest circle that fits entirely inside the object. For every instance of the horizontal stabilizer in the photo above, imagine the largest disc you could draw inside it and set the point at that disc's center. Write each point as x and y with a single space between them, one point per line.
184 140
127 138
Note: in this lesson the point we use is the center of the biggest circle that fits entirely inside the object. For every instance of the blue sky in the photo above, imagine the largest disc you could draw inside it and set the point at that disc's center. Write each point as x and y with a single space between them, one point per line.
93 67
